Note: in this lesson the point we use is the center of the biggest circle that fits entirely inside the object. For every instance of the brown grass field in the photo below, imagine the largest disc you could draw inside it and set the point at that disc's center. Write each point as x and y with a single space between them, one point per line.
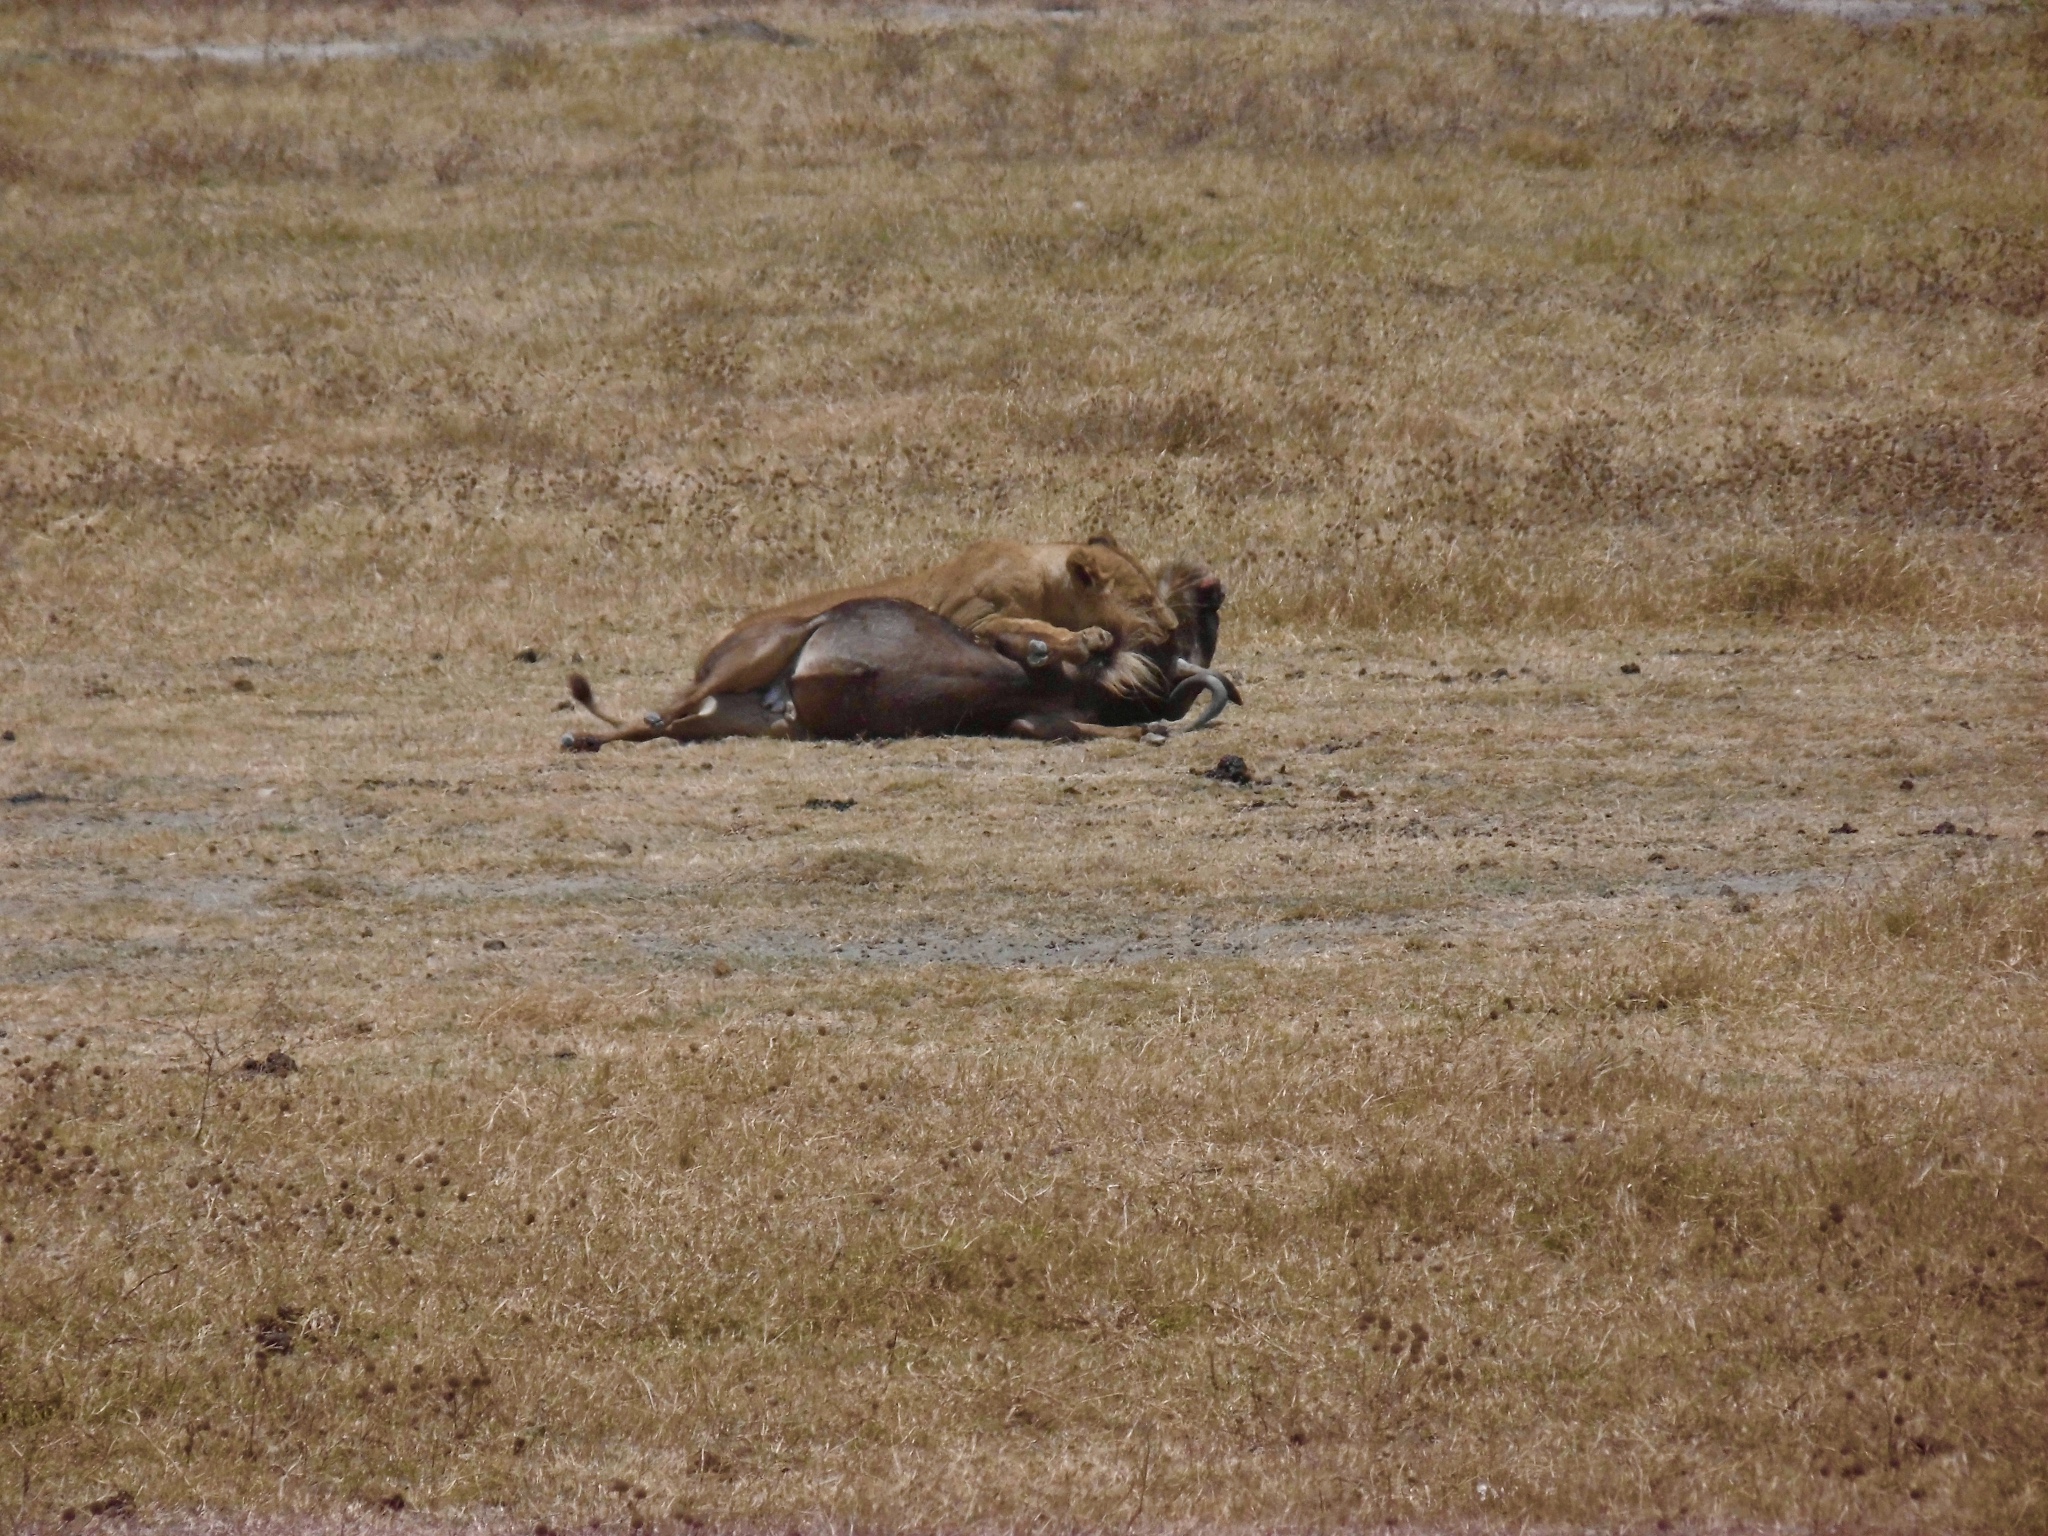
1594 1077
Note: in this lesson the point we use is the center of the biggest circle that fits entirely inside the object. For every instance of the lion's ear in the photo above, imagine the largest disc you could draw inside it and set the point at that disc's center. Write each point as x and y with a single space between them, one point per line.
1079 567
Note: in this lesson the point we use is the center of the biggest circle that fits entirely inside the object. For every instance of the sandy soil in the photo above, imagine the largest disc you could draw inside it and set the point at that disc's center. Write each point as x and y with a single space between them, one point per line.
1396 797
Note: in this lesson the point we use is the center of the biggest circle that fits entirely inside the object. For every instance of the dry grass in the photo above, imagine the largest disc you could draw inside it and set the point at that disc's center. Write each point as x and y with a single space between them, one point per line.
1520 1107
1424 319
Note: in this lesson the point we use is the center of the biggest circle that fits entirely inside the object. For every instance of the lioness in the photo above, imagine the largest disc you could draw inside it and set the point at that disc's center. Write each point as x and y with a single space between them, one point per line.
886 667
1061 604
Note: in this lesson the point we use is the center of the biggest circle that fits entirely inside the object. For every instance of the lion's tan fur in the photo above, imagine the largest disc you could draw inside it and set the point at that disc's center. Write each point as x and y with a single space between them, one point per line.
986 587
1074 586
1059 593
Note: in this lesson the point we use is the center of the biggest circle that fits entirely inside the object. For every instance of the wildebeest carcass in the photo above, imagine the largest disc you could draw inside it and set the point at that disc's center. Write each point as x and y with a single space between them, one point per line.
1087 602
883 667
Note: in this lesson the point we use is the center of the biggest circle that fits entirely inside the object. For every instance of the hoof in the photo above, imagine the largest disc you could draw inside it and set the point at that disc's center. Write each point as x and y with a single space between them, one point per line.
653 719
1154 738
569 742
1037 654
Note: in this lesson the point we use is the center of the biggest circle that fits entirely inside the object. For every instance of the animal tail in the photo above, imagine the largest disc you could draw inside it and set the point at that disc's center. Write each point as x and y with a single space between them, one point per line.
579 690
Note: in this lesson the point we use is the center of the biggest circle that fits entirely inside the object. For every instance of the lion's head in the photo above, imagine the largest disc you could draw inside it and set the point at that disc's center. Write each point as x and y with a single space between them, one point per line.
1120 595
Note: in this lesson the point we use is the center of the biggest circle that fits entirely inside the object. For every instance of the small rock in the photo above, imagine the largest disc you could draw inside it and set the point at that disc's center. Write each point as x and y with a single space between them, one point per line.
277 1333
243 685
6 735
1906 784
749 29
1941 829
494 943
530 655
1839 831
1230 769
824 803
721 967
276 1064
1630 668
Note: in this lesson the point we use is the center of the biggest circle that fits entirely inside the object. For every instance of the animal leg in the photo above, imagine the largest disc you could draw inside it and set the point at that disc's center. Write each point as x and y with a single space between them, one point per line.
1018 638
720 716
590 741
1061 728
748 660
731 714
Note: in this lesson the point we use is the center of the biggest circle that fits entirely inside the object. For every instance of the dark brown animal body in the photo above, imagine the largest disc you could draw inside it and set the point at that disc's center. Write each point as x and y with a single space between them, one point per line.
1070 604
880 667
885 667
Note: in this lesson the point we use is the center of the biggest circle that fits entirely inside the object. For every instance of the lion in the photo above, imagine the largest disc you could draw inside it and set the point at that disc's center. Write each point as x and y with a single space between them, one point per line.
1055 604
880 667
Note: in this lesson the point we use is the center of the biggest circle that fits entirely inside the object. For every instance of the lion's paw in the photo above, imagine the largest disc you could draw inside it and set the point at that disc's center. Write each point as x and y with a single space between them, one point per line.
1096 640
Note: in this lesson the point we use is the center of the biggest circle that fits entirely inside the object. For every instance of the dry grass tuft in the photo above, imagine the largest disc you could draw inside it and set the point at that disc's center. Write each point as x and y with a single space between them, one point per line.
1194 422
1822 577
858 866
1997 919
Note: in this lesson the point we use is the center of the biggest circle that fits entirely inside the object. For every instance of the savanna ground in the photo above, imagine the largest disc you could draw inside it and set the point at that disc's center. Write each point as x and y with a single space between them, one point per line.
1595 1076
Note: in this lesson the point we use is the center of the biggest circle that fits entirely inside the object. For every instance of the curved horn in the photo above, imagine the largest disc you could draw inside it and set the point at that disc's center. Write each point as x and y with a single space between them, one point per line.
1217 689
1186 671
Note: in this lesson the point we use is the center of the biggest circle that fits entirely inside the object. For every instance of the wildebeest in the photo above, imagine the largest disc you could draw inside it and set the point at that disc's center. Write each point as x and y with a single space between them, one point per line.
887 667
1084 602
